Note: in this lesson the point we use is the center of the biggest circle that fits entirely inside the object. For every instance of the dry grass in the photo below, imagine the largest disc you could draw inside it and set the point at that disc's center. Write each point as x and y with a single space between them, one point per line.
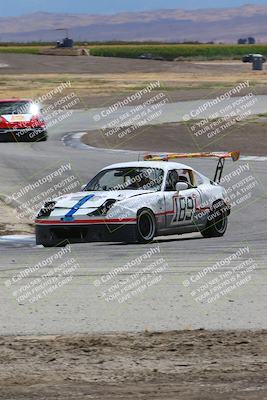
33 86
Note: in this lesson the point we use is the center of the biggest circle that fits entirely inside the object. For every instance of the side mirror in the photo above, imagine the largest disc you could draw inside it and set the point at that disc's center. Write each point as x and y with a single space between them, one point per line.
83 187
180 186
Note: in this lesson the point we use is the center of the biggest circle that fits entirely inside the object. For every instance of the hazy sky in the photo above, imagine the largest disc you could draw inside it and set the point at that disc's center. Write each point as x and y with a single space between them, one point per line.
18 7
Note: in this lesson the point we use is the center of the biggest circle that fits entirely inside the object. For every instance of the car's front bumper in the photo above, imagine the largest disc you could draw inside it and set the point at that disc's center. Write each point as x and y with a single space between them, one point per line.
22 134
54 235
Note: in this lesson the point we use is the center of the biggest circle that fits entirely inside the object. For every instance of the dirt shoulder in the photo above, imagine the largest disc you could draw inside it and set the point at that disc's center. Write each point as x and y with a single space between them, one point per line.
45 64
171 365
99 80
10 224
249 138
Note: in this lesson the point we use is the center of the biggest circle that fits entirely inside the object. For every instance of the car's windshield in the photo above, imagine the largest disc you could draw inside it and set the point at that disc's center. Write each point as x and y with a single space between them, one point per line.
15 107
127 179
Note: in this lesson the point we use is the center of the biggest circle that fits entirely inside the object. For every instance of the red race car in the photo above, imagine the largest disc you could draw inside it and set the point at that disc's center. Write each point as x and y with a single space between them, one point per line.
21 120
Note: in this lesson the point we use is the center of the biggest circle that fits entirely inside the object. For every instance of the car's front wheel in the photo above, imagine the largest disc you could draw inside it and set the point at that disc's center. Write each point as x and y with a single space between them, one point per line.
146 226
57 244
217 223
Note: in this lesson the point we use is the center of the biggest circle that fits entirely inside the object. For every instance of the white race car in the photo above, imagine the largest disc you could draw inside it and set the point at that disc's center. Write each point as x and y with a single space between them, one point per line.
137 201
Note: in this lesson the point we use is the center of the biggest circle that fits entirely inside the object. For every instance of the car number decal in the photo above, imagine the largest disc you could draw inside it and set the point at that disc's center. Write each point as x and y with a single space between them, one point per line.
183 209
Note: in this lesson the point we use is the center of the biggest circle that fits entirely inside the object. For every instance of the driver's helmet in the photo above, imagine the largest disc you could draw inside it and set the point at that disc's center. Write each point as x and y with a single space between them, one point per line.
173 179
145 181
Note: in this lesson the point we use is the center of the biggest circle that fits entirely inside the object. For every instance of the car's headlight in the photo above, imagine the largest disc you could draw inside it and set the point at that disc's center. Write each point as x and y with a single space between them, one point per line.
47 209
104 209
34 109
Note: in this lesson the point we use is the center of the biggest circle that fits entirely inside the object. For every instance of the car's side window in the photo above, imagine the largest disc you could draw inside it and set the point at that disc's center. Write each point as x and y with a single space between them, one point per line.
172 179
185 176
179 175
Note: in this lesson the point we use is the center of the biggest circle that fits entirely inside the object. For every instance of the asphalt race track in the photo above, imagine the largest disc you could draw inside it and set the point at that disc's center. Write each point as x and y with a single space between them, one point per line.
169 304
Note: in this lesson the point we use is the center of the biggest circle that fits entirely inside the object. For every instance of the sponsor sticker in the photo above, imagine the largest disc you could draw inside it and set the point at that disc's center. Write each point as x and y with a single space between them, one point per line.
17 118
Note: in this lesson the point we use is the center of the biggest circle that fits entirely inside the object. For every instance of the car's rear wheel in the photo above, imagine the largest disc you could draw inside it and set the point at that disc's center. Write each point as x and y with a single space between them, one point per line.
146 226
217 223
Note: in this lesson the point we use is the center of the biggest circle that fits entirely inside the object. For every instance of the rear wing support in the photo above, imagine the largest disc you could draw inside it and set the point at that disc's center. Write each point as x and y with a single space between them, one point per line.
234 155
219 170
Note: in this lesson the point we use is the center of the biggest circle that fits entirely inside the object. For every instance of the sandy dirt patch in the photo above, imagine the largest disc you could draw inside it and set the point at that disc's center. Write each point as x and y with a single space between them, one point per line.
173 365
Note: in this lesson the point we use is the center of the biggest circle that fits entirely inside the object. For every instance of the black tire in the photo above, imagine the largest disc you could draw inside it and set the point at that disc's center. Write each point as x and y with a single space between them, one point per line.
55 243
47 245
146 226
48 239
43 139
217 222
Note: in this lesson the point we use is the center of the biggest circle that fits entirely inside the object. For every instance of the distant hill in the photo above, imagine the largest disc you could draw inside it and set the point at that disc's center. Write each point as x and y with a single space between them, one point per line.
225 24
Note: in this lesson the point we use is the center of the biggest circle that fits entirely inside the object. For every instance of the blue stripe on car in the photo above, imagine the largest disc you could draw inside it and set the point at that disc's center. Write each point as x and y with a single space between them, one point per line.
76 207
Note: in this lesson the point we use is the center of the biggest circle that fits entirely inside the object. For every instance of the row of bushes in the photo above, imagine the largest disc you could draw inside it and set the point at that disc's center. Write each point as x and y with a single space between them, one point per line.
179 51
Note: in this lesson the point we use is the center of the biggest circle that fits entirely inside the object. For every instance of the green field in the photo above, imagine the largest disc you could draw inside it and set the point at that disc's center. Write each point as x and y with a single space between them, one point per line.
20 49
167 51
182 51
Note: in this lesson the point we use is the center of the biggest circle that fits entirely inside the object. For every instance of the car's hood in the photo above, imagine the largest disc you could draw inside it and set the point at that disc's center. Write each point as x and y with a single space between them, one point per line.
95 199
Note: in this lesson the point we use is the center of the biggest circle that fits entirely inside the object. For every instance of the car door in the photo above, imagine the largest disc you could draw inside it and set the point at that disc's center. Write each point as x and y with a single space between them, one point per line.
180 207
